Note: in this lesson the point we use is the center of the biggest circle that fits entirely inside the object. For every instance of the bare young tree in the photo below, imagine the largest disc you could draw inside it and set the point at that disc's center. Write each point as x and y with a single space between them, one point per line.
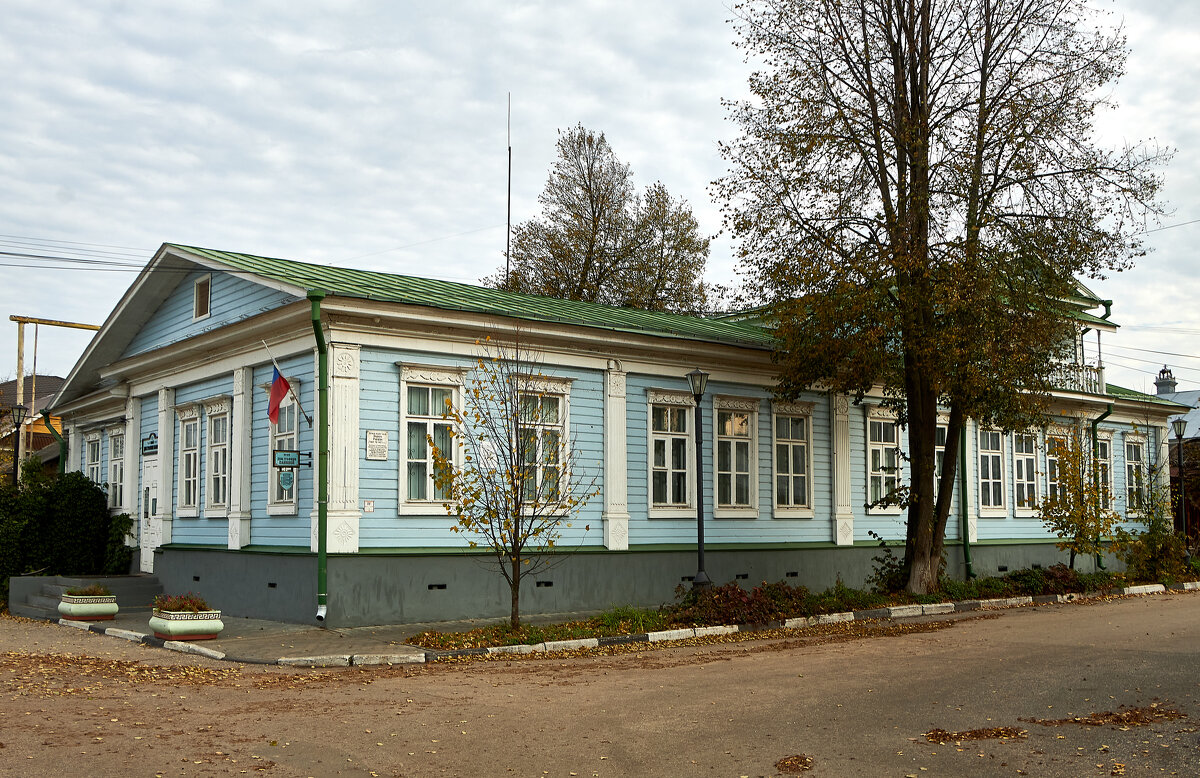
597 240
506 464
916 191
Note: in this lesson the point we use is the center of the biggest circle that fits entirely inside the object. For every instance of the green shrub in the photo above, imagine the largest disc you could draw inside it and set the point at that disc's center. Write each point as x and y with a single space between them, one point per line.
60 526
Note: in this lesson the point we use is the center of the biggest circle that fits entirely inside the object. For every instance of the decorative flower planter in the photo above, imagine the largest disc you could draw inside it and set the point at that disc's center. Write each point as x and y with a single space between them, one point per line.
88 607
185 625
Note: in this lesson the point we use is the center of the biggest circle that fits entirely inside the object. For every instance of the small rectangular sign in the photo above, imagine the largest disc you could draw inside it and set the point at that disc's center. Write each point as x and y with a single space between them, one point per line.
285 458
150 444
377 445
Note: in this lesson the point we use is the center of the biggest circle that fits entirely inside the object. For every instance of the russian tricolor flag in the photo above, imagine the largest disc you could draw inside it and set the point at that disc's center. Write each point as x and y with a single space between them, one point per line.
279 390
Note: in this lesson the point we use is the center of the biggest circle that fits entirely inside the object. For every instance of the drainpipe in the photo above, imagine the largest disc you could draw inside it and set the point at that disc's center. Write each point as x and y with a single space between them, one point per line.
1096 458
962 499
316 296
62 443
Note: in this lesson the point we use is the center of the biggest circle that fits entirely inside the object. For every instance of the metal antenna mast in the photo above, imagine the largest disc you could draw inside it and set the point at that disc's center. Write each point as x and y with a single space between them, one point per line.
508 219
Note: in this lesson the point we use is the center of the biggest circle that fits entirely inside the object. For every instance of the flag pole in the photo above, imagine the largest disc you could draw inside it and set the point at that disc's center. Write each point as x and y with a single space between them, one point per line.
291 389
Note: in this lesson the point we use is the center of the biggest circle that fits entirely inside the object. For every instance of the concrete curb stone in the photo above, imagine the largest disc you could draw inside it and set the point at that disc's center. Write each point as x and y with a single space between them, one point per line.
670 634
330 660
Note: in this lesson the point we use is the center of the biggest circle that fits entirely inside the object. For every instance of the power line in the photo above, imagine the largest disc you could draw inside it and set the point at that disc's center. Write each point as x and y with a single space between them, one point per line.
1171 226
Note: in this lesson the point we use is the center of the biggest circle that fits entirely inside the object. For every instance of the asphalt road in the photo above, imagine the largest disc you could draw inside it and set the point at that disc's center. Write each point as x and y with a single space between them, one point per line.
857 706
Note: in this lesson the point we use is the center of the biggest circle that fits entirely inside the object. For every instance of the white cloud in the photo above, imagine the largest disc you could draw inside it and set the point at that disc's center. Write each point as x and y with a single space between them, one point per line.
332 131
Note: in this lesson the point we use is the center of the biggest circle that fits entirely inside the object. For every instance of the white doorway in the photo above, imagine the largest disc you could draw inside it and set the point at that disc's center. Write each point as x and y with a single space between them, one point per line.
149 529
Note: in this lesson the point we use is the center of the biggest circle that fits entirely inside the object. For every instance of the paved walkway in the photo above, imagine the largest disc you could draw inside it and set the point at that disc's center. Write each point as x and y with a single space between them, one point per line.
257 641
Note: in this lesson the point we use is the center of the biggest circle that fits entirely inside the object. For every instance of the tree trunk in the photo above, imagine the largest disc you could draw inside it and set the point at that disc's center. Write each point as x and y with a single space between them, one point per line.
514 587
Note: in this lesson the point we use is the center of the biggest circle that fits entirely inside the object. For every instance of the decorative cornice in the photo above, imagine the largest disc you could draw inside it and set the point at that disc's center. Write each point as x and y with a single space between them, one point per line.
793 408
877 411
186 411
431 374
543 384
728 403
217 405
670 397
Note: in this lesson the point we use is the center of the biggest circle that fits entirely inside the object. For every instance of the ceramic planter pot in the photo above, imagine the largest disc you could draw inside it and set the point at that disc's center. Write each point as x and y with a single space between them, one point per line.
88 607
185 625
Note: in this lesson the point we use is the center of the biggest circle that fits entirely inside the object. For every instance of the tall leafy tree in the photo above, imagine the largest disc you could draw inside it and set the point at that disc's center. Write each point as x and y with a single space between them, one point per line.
598 240
915 190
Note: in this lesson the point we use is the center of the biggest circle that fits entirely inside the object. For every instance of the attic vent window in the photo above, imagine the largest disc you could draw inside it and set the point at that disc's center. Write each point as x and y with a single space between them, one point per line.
202 293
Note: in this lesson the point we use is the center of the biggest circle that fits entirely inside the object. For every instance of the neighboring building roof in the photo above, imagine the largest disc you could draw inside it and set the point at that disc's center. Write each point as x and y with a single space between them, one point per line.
1190 398
449 295
1122 393
47 387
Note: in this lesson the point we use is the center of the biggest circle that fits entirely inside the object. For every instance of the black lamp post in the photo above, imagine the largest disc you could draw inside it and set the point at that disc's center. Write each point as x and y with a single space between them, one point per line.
18 417
698 379
1180 426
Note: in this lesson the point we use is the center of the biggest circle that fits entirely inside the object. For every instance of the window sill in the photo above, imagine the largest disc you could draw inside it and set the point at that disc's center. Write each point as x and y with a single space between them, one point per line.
735 513
993 513
188 513
794 513
884 511
427 508
1025 513
220 512
674 512
281 510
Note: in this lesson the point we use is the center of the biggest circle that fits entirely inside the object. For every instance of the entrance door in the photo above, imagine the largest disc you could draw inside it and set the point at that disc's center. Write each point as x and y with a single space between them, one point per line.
148 539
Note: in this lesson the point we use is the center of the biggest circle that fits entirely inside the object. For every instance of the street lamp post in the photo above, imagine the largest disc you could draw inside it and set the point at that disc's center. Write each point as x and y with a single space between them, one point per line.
1180 427
18 417
698 379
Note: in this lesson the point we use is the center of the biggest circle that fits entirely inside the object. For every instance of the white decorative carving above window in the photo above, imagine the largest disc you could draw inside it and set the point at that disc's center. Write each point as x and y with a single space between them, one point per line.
736 403
431 374
670 397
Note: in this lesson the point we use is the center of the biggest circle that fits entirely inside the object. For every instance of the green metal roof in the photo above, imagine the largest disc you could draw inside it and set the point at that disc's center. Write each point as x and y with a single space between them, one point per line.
449 295
1129 394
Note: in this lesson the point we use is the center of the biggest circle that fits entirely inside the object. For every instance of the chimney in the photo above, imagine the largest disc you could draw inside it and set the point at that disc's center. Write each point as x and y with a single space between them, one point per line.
1165 383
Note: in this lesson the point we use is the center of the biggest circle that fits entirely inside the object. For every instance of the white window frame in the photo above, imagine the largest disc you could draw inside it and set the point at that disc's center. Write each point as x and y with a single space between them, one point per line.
1104 464
431 377
735 405
286 506
189 415
542 387
217 475
203 282
876 414
1132 508
939 451
1025 474
996 461
671 400
1055 488
91 464
793 410
116 468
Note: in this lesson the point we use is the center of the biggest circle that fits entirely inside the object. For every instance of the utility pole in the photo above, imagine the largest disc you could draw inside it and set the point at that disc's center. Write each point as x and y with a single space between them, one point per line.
21 321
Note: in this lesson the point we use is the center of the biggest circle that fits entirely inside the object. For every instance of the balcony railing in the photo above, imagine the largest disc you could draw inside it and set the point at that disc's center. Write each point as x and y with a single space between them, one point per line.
1069 377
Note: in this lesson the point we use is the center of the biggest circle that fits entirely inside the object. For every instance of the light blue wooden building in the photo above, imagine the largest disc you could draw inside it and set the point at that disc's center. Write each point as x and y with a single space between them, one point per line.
168 408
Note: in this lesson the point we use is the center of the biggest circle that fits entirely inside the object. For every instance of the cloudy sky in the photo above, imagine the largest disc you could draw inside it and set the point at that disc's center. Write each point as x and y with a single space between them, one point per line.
373 134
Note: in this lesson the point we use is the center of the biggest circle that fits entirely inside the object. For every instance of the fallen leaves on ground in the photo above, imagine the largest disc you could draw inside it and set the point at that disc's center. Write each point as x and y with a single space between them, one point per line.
47 675
942 737
1135 717
780 639
795 764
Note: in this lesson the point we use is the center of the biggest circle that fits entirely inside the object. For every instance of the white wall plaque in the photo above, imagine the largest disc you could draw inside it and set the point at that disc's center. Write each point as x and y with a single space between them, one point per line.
368 506
377 445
